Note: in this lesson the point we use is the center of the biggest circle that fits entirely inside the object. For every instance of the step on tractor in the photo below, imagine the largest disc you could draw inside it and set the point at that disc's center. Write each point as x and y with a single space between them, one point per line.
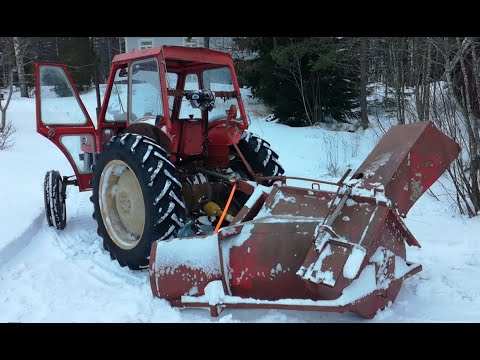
181 187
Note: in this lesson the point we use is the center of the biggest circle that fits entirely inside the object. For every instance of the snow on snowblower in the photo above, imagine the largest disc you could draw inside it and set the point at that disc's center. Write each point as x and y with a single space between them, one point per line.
179 185
297 248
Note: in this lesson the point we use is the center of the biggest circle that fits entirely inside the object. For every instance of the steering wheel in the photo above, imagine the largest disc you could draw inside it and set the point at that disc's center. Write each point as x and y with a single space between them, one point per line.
145 117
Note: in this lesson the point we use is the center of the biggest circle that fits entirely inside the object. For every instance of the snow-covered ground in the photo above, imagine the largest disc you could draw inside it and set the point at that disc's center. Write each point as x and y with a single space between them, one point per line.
67 276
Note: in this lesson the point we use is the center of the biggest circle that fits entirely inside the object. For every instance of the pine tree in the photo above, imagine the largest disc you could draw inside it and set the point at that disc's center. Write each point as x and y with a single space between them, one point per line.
305 80
78 54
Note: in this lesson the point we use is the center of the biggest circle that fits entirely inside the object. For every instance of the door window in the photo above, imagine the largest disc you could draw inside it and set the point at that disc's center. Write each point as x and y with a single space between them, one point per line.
59 105
81 149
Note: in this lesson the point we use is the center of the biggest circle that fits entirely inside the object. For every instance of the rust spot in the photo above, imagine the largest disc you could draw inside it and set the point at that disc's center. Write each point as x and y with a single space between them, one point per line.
427 163
417 190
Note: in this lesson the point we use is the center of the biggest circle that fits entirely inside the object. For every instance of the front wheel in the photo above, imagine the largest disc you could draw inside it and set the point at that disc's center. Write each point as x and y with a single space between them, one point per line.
54 197
137 199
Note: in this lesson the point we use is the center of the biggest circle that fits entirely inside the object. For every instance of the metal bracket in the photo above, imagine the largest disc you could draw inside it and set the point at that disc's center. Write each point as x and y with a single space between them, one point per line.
66 181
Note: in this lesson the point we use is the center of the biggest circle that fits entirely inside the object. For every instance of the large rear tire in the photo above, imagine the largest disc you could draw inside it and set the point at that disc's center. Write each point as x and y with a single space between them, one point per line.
137 199
258 154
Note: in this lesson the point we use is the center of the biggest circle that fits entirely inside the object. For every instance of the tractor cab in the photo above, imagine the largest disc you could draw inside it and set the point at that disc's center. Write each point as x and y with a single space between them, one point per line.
187 99
186 93
173 80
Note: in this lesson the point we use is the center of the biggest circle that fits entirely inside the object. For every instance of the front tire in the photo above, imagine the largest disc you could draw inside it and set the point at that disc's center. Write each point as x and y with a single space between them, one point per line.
54 197
137 199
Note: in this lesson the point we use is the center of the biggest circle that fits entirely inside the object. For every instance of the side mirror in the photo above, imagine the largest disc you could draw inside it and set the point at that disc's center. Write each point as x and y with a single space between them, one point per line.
123 72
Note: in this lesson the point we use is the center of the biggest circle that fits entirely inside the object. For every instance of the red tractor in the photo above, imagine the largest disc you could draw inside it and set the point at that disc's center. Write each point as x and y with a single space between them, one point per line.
170 140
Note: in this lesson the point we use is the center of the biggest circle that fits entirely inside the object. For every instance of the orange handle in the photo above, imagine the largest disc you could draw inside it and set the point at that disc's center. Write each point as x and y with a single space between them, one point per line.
226 208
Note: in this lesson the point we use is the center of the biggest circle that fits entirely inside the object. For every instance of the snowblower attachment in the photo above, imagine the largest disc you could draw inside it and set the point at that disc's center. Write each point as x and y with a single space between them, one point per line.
308 248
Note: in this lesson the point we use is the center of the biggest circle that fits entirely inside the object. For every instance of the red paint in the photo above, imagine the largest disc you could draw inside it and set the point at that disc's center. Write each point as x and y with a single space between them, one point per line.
192 138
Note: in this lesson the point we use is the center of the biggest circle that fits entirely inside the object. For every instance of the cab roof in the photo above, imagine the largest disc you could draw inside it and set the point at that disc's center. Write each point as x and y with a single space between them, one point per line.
194 55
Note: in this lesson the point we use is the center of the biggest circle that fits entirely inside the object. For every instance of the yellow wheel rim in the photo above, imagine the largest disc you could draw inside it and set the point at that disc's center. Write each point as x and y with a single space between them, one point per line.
122 204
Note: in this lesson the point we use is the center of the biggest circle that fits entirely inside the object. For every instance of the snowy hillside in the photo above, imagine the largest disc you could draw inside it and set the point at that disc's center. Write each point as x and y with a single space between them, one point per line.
67 276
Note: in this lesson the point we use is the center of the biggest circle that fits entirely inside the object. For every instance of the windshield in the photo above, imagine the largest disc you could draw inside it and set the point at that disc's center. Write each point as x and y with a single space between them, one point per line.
146 94
220 80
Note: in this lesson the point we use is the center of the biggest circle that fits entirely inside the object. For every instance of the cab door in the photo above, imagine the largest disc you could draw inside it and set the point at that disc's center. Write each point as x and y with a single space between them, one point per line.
63 119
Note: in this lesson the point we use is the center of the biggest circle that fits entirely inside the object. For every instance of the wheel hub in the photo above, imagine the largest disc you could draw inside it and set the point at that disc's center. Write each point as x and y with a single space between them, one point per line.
129 203
122 204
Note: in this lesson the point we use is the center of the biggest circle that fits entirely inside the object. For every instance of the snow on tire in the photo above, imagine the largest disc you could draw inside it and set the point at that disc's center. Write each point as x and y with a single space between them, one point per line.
137 198
260 156
54 197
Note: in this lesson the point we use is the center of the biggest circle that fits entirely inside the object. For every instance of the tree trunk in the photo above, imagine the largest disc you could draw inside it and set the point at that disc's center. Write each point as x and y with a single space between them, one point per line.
3 109
401 81
426 83
363 82
20 67
4 119
302 90
417 65
476 75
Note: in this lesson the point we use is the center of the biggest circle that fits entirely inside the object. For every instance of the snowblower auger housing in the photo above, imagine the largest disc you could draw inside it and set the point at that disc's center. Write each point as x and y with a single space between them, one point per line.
312 249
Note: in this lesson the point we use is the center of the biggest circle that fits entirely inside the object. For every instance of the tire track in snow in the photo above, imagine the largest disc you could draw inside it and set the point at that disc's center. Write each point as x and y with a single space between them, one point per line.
82 247
95 261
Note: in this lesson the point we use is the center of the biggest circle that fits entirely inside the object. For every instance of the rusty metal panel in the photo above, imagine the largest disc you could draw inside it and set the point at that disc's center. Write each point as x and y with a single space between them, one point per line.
300 202
407 161
391 236
357 220
332 259
265 263
175 272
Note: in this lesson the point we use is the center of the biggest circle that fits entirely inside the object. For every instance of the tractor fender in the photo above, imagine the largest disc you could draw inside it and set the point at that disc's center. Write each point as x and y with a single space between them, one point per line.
144 129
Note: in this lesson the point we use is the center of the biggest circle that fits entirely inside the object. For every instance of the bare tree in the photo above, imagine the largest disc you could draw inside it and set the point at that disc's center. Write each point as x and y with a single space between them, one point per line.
472 129
455 110
106 48
3 108
445 76
6 80
19 46
363 82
